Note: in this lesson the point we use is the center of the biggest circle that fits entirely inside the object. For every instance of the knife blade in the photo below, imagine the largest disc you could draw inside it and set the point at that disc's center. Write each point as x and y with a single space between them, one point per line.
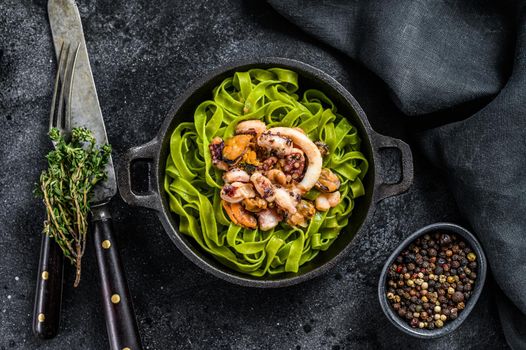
66 26
121 325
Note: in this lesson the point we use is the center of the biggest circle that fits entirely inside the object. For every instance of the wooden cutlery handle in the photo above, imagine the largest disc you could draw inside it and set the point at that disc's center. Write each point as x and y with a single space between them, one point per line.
48 297
118 309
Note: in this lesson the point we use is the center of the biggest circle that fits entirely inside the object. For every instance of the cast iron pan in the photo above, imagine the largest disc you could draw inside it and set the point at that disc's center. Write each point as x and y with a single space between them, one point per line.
156 151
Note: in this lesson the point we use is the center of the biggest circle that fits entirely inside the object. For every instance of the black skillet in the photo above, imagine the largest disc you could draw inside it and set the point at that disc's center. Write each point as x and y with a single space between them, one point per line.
156 151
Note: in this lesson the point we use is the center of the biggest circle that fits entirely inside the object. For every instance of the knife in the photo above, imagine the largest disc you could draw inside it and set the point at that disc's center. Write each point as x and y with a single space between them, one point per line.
121 325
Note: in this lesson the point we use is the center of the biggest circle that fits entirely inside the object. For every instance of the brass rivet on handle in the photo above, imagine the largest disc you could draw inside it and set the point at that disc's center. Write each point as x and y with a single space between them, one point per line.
106 244
41 317
115 298
45 275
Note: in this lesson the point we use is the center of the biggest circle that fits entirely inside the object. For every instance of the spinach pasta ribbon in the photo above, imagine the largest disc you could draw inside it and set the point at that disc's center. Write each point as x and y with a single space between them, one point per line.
193 185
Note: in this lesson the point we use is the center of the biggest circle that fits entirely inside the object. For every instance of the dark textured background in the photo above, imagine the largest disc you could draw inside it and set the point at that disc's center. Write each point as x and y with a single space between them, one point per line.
144 54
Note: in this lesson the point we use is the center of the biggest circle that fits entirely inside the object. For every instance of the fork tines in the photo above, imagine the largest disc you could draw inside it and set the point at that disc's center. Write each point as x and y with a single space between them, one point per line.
60 115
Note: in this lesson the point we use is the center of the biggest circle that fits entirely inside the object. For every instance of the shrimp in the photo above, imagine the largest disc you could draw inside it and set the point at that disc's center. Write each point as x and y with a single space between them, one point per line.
275 143
236 175
328 181
239 215
325 201
236 192
285 201
263 186
268 219
311 152
253 127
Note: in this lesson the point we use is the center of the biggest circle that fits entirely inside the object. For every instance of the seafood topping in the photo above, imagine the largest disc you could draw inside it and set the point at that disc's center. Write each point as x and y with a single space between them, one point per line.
328 181
253 127
322 146
236 146
276 144
216 152
255 205
268 219
267 171
239 215
263 186
236 175
236 192
293 164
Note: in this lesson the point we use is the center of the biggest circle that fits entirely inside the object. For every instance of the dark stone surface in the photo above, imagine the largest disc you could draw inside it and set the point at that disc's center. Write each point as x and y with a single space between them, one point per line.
143 55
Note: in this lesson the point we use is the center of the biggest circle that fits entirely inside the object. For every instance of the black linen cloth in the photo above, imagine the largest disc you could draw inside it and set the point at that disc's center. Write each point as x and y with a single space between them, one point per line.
458 68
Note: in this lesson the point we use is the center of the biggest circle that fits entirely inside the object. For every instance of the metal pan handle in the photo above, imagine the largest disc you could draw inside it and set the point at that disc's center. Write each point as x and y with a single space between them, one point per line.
385 190
147 153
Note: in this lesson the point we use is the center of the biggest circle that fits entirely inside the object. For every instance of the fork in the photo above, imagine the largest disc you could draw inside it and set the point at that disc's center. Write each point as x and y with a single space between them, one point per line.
48 297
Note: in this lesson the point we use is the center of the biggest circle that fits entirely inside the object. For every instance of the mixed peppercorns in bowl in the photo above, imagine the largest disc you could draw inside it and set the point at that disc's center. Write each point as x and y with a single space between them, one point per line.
432 280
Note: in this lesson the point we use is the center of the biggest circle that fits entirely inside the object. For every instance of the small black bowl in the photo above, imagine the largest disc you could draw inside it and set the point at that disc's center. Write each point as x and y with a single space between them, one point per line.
450 326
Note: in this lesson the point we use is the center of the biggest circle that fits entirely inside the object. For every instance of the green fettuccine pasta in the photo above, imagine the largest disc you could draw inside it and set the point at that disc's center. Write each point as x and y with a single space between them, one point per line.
193 185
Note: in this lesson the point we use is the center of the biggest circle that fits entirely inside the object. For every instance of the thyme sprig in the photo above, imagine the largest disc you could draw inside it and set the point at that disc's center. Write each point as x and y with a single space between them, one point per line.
74 168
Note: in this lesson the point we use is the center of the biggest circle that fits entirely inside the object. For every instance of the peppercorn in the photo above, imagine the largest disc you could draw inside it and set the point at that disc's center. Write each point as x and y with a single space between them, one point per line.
443 318
457 297
445 239
450 290
439 323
